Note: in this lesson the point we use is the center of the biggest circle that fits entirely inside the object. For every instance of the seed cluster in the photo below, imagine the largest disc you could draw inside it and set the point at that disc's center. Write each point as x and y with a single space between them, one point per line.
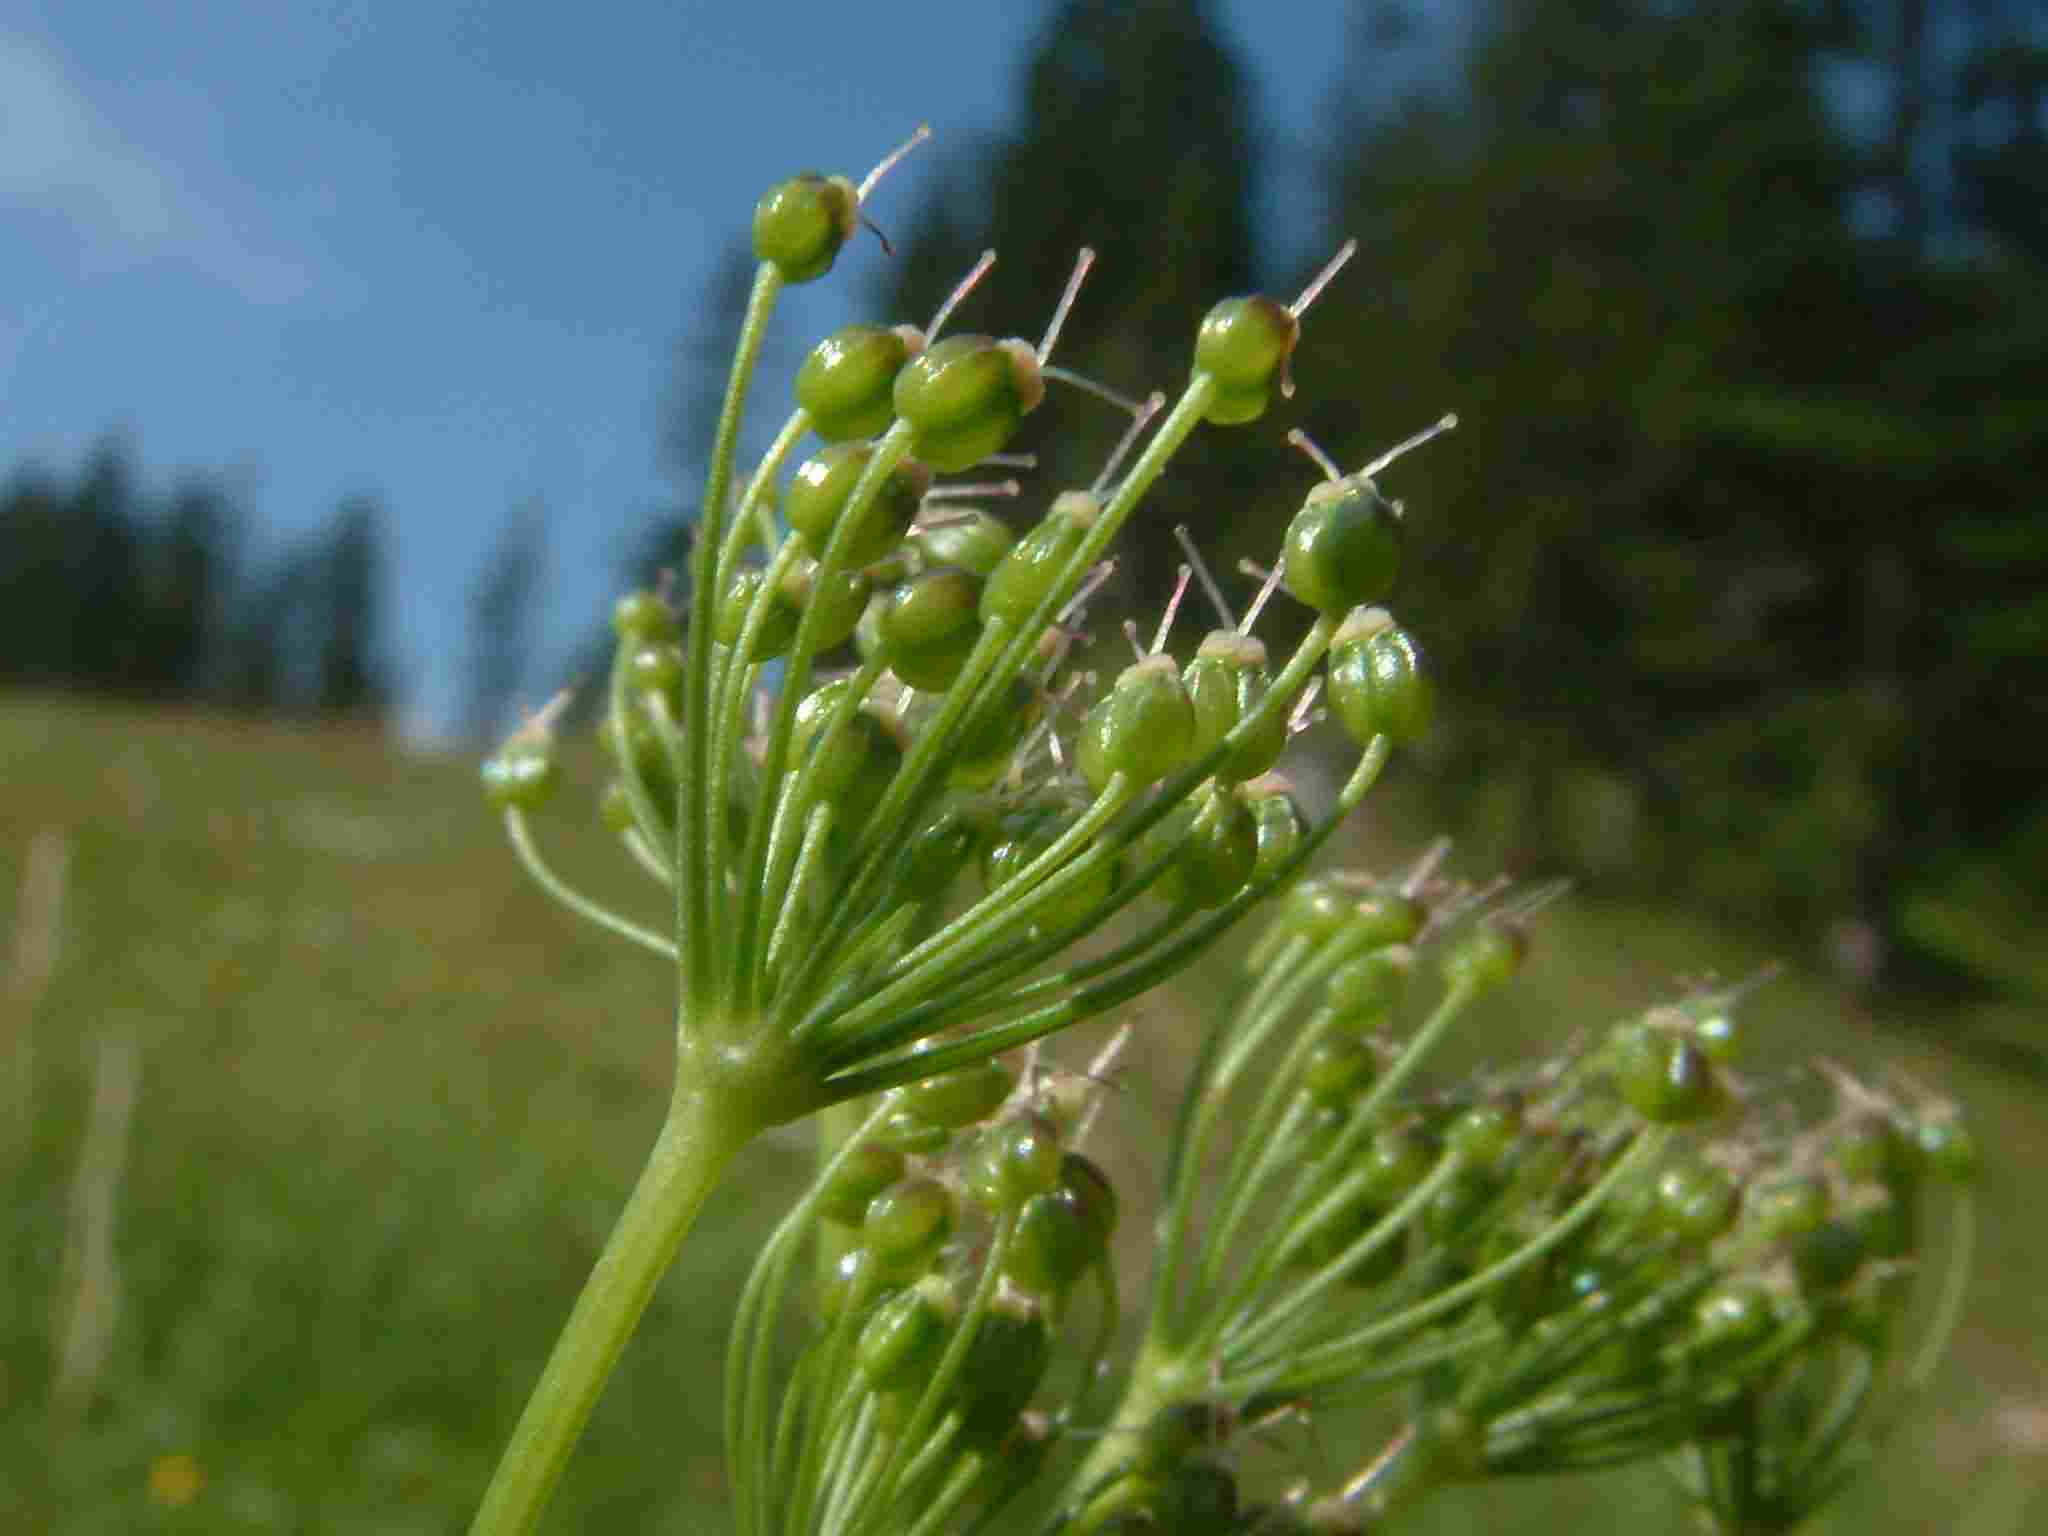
892 814
861 755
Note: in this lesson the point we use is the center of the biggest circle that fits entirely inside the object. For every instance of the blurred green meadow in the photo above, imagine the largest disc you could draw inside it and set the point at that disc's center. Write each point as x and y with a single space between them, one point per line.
314 1113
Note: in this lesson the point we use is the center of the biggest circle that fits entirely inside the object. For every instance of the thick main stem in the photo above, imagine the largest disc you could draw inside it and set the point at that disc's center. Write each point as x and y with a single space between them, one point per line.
689 1159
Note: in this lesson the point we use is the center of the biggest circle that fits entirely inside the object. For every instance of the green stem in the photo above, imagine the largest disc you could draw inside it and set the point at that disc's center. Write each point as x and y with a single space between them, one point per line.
1159 1379
688 1161
699 880
529 855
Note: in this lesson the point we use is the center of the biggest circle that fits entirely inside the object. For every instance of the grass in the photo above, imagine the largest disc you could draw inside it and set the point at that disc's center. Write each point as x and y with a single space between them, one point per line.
388 1099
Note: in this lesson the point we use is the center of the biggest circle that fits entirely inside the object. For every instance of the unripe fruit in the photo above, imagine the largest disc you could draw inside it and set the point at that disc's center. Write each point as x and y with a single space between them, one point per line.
658 669
1014 1159
778 629
1828 1257
960 1097
1143 728
855 761
1362 992
1947 1147
1343 547
1399 1158
1487 957
643 618
1376 685
1733 1315
1214 844
1720 1036
908 1223
1696 1201
964 397
930 625
867 1171
1383 915
1869 1149
848 379
1665 1077
1278 820
1316 909
520 776
1484 1134
972 540
850 1282
839 602
1338 1070
1093 1194
1005 1362
1884 1226
933 860
1244 344
1026 574
1226 682
901 1344
913 1137
1050 1249
800 224
1789 1208
615 806
822 487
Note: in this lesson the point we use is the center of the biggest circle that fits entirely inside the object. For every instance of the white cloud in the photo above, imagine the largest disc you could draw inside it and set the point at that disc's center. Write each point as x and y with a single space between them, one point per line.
59 155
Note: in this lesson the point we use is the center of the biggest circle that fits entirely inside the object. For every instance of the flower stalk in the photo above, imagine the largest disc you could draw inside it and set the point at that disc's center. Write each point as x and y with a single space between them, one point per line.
1619 1254
808 822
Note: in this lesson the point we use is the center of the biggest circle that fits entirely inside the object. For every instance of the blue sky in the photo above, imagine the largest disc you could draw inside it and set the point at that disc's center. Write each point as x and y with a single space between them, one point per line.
442 252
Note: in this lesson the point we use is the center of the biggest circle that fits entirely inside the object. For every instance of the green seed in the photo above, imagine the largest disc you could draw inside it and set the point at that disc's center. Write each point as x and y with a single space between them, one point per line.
1143 728
1214 844
644 618
901 1344
964 398
823 486
868 1170
1245 343
1225 683
1338 1070
960 1097
521 777
1666 1078
800 224
1487 957
847 380
1343 547
930 626
973 540
1014 1159
908 1223
1376 685
1026 574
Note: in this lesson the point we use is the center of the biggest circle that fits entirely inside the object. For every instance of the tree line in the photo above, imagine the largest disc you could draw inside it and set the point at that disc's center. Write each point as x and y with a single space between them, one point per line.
107 588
